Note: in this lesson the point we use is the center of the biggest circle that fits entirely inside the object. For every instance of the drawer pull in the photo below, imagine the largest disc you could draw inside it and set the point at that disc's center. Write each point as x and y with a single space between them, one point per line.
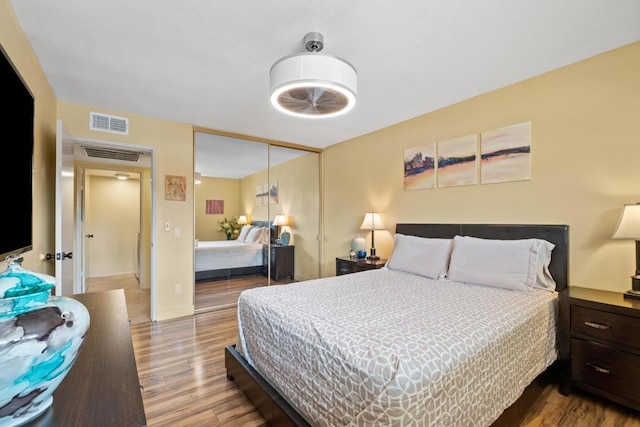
597 325
598 368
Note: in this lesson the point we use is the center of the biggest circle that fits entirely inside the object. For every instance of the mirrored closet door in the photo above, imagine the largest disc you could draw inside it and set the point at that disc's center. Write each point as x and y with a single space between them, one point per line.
240 243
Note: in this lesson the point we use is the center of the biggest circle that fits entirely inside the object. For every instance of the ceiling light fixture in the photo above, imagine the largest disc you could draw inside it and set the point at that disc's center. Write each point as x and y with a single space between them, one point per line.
313 85
122 176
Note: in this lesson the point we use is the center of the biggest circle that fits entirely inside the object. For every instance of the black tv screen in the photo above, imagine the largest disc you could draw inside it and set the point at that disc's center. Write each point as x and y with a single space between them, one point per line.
16 213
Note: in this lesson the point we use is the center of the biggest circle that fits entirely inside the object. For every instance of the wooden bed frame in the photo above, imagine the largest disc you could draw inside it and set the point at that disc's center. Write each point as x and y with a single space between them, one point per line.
277 411
228 273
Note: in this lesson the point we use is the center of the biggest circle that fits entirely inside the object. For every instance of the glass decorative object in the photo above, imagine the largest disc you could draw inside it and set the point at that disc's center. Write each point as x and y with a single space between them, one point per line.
40 337
358 244
285 237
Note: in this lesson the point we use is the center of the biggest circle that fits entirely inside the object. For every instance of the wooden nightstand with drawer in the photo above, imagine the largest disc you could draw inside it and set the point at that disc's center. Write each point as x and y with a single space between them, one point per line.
600 344
346 265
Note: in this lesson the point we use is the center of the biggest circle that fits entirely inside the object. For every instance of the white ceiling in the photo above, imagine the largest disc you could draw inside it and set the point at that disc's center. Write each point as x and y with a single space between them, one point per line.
207 62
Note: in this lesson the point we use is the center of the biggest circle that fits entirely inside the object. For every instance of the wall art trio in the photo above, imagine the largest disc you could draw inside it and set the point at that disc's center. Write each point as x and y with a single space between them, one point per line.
498 155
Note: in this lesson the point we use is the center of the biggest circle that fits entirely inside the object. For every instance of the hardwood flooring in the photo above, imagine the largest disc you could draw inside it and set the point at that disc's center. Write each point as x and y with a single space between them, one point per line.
221 293
138 300
181 369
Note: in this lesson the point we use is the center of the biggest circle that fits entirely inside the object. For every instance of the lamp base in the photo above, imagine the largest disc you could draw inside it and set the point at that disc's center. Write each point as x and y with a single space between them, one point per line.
632 293
372 254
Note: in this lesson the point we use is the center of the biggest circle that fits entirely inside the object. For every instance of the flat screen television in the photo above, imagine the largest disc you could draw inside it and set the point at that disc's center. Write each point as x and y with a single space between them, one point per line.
16 213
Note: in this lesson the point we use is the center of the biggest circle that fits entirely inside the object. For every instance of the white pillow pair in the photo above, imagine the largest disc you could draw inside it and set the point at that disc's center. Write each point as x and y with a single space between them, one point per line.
510 264
257 235
244 231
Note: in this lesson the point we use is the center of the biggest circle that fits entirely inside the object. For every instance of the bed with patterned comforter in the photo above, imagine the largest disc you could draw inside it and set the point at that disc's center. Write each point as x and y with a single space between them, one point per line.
386 347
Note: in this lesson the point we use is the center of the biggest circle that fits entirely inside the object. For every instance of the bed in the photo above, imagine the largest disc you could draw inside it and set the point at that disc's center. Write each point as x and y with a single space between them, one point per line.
393 347
224 259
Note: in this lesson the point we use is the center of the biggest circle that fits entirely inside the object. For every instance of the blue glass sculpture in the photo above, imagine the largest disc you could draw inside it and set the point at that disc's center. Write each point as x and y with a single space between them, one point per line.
40 337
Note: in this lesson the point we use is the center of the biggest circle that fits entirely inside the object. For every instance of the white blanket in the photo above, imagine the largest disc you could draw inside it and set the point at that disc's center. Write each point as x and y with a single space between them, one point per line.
384 347
222 254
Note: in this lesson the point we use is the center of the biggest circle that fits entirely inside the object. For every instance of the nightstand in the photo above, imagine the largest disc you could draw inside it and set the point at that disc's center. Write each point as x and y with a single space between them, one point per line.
600 344
346 265
282 261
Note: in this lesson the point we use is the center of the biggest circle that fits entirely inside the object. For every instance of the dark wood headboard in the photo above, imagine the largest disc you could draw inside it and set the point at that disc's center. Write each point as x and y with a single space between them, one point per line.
556 234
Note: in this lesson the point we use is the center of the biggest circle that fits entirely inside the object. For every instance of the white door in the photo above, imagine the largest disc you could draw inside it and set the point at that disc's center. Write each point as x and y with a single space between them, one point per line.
64 213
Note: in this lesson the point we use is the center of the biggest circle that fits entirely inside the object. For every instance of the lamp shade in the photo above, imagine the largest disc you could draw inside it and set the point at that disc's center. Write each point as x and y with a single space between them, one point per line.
242 219
629 223
372 221
197 179
280 220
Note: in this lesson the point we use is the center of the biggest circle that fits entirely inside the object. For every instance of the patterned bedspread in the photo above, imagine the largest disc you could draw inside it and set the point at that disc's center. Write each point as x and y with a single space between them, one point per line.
216 255
384 347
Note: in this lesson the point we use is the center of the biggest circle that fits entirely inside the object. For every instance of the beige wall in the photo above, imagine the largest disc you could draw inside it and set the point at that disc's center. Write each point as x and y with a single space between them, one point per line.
207 226
172 144
585 131
19 50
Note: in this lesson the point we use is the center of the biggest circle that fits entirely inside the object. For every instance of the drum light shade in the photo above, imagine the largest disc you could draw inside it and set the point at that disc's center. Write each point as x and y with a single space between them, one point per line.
313 85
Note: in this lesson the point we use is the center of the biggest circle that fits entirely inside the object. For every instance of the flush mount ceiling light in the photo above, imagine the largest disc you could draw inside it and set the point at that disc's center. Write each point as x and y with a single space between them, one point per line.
313 85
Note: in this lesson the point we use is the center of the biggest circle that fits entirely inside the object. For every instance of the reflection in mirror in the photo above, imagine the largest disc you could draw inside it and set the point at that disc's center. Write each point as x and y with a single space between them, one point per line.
294 208
252 182
225 265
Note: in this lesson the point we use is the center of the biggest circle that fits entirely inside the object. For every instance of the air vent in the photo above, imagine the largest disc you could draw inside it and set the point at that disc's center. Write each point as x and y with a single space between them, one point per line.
110 153
108 123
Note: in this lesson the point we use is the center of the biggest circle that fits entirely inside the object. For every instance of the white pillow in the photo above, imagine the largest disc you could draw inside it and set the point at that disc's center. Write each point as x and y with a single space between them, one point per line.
510 264
420 255
243 232
254 235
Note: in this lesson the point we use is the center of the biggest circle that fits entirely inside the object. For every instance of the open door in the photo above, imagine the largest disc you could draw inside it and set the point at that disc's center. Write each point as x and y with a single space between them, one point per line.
63 255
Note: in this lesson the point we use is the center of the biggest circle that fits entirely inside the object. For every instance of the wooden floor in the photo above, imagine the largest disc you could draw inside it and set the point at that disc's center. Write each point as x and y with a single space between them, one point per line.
220 293
209 295
181 368
138 300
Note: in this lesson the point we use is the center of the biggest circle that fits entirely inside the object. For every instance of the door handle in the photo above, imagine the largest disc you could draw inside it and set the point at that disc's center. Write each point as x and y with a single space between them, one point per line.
89 236
59 256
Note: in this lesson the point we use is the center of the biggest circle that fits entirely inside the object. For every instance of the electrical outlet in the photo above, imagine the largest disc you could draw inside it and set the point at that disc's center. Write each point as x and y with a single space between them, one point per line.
178 288
177 232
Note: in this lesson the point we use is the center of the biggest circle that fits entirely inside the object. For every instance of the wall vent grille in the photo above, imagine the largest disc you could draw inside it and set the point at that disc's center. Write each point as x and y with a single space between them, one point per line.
110 153
108 123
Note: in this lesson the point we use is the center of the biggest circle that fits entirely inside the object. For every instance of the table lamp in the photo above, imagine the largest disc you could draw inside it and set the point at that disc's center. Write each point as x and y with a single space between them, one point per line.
279 221
242 220
629 228
372 222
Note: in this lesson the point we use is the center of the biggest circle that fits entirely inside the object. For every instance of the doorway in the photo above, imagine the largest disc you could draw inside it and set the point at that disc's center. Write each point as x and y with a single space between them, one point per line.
112 208
105 157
